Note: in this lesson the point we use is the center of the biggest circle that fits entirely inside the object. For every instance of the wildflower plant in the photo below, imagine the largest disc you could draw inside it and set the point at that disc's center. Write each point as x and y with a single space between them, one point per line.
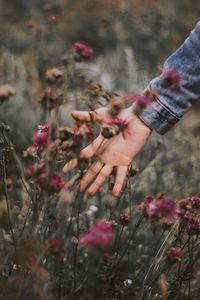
59 243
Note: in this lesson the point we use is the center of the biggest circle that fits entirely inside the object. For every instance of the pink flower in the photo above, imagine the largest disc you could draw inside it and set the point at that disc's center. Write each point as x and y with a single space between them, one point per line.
195 201
142 101
171 79
99 236
174 254
56 183
122 126
54 18
160 208
84 50
40 139
167 208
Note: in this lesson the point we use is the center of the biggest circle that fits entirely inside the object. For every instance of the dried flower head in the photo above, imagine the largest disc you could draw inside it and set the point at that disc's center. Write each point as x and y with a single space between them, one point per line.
54 75
124 218
51 99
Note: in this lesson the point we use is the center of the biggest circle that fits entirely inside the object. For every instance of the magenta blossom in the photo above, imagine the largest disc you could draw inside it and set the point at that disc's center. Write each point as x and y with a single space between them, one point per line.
99 236
122 126
171 79
162 208
195 201
174 254
56 183
84 50
40 139
142 101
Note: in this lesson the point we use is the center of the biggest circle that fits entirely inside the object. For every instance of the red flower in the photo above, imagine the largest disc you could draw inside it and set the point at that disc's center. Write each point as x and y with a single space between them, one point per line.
99 236
56 183
171 79
174 254
84 50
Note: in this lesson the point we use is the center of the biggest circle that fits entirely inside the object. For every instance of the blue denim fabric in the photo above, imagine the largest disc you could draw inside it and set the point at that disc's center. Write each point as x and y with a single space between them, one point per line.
171 105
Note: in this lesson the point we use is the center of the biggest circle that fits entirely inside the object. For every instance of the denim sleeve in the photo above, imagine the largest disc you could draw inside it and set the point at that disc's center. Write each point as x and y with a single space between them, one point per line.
170 106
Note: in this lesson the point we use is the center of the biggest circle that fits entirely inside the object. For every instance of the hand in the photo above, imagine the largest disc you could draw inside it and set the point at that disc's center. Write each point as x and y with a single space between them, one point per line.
114 152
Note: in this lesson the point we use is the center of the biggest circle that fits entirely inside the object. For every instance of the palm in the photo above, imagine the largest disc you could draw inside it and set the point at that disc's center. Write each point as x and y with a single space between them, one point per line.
114 152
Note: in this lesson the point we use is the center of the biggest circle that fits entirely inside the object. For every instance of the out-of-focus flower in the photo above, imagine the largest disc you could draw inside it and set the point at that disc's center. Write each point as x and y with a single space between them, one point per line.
174 254
40 139
193 226
121 125
167 208
51 99
6 91
30 24
99 236
9 182
160 208
54 75
83 50
55 183
54 18
171 79
141 101
115 107
55 243
195 202
124 218
32 150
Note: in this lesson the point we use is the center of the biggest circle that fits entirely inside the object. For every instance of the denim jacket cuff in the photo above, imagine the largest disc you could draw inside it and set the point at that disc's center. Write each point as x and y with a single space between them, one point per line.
158 117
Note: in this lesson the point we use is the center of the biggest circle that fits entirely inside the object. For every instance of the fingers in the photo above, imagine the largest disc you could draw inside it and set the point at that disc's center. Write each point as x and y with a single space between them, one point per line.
103 175
84 116
91 173
91 149
120 178
70 165
90 116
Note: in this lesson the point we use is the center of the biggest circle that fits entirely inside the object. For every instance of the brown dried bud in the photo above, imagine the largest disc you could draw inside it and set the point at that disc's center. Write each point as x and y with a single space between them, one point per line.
54 75
115 107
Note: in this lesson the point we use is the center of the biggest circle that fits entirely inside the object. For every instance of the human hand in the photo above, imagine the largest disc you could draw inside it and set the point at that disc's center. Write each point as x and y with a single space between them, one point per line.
116 151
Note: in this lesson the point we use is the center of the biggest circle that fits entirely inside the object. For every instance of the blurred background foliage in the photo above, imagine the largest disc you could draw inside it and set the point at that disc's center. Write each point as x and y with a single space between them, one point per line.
130 38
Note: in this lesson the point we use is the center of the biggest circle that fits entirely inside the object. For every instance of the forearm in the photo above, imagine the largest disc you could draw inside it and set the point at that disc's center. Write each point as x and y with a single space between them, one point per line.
171 105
